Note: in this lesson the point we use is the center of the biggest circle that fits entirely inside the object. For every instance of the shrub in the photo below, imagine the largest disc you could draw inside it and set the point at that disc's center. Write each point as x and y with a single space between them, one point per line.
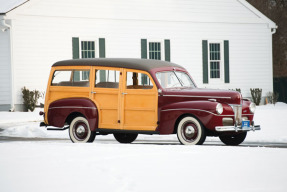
30 98
272 97
256 95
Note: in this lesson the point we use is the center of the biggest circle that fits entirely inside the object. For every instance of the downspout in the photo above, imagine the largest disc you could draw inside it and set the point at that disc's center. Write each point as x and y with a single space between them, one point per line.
6 27
273 31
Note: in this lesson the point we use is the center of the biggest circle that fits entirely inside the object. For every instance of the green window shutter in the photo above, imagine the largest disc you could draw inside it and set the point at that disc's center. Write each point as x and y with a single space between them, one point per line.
102 48
76 48
76 76
226 62
102 54
167 49
205 60
143 48
144 79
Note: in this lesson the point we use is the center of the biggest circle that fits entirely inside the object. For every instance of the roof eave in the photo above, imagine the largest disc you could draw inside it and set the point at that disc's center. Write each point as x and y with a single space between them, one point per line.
268 21
14 8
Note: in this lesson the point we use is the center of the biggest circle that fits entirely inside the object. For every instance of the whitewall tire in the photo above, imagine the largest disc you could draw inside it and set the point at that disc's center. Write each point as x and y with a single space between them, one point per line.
190 131
80 131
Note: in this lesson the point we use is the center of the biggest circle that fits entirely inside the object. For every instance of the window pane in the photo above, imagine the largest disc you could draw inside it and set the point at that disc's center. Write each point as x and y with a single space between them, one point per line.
214 60
107 78
154 50
88 49
170 79
75 78
138 81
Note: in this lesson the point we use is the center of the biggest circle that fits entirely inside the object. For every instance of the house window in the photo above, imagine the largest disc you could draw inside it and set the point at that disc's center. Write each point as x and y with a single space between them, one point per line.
214 60
154 50
87 51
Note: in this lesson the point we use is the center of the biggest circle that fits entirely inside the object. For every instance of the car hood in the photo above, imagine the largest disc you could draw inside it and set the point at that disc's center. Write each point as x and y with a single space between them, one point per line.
223 96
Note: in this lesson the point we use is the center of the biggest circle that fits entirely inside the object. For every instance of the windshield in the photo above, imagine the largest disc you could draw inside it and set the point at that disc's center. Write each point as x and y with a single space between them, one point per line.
170 79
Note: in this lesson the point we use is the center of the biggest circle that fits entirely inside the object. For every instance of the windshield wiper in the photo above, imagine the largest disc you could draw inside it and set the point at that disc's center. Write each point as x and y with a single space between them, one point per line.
180 81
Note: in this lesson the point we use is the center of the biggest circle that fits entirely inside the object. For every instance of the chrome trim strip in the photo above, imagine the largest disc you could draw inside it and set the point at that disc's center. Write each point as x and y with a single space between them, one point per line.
197 96
197 110
72 107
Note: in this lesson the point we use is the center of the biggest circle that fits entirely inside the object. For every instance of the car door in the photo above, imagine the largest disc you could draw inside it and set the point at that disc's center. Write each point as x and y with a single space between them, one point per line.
105 93
139 100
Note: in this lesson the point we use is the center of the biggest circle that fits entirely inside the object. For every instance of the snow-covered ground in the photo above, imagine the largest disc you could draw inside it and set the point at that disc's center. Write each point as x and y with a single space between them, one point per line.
108 166
271 118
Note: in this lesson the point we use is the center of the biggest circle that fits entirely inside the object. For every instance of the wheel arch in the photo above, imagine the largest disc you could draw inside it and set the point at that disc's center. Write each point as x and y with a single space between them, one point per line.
171 114
183 116
72 116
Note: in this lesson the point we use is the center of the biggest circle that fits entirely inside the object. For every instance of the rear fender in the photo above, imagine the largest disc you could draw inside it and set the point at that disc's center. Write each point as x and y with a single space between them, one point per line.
60 110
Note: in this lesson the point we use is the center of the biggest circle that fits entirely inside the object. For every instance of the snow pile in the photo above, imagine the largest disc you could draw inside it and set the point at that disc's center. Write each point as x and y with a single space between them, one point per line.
16 117
272 119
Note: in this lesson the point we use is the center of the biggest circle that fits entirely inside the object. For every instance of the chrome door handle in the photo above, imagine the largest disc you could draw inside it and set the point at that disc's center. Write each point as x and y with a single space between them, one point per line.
124 93
93 92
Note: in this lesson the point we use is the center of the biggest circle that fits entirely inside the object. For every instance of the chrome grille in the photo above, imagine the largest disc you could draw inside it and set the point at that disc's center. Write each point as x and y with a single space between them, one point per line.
237 109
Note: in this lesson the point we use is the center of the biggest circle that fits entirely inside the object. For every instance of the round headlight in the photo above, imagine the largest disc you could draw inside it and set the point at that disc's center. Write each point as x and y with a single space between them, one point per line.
252 107
219 108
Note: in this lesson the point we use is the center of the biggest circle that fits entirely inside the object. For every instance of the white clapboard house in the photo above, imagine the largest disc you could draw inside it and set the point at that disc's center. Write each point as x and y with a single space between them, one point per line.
224 44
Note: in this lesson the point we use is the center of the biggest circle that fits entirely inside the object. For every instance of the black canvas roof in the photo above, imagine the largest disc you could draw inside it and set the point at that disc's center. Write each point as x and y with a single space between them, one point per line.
140 64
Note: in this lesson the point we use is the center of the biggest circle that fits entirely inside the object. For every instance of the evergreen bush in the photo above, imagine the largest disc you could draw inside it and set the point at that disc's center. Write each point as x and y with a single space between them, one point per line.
30 98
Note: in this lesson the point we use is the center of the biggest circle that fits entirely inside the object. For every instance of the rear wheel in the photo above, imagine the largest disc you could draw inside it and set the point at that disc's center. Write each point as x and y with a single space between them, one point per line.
190 131
125 137
80 132
233 139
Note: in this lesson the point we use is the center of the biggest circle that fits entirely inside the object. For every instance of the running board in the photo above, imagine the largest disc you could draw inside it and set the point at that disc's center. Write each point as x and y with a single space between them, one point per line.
42 124
58 128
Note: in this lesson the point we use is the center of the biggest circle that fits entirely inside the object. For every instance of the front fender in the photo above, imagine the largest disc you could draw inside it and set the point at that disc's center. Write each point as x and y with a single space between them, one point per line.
59 110
204 111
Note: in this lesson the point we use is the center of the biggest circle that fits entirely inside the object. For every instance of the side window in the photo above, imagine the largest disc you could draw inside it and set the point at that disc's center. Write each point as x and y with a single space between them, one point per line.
138 81
107 78
72 78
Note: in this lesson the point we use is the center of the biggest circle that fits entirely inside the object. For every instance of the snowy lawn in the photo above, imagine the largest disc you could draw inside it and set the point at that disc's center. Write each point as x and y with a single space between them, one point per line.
140 168
111 167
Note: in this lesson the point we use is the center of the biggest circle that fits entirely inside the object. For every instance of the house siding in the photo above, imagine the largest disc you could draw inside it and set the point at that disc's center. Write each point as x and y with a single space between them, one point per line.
44 35
5 71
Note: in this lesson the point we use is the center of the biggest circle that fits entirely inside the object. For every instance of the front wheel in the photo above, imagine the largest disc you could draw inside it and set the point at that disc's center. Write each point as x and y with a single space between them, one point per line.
190 131
125 137
233 139
80 132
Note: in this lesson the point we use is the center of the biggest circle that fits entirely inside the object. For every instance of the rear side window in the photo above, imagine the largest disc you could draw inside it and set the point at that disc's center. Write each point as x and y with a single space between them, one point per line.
74 78
138 81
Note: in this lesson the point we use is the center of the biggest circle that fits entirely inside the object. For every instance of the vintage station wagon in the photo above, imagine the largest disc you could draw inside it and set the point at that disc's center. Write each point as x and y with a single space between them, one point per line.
127 97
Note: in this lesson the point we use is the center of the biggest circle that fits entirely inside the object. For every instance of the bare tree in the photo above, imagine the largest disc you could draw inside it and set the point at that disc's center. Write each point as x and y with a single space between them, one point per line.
276 10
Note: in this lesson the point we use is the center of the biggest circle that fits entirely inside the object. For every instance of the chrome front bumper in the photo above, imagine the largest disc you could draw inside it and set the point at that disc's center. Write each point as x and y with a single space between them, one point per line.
238 128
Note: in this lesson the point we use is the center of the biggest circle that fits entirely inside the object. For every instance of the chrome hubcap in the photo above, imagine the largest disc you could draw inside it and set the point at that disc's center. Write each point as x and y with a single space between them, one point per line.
80 130
189 131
